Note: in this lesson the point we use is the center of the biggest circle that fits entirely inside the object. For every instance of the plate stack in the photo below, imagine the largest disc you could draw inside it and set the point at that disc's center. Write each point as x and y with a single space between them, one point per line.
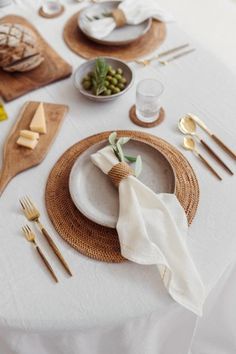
120 35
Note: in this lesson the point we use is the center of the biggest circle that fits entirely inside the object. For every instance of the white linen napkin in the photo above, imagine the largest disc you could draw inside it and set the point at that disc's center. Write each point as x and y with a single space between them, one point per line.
135 11
152 229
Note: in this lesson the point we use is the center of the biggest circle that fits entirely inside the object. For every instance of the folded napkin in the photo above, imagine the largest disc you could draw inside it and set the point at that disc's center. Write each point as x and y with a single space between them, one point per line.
130 12
152 229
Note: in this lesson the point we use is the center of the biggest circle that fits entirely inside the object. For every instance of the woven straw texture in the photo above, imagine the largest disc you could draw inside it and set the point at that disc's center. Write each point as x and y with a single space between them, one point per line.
118 172
137 121
81 45
90 239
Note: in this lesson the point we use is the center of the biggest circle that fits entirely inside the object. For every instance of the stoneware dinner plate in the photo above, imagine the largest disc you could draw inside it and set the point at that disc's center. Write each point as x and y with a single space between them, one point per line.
119 36
95 196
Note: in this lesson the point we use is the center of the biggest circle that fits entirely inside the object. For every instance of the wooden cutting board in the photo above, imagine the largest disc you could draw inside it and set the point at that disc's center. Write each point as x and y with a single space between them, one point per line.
18 158
13 85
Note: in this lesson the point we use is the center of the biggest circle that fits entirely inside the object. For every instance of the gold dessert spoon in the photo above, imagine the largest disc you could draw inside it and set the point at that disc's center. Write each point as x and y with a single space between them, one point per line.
189 144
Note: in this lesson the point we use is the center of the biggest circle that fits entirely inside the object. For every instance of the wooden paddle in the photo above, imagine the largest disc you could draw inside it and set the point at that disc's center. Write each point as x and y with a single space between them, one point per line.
18 158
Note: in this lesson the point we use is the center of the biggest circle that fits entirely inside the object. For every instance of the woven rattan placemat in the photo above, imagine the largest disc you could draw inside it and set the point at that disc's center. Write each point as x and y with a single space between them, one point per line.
88 49
89 238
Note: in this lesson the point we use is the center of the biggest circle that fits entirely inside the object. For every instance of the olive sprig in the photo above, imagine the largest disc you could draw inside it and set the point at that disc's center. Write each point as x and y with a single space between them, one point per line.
118 151
104 79
99 17
100 73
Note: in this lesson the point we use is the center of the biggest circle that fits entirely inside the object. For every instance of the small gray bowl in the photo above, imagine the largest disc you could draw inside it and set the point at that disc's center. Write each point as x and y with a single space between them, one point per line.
88 66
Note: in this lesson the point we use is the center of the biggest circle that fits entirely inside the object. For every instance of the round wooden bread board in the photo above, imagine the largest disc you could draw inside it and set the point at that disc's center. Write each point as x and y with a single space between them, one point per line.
88 49
91 239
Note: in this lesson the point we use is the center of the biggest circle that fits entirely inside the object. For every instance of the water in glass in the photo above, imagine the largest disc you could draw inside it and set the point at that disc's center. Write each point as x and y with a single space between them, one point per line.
148 104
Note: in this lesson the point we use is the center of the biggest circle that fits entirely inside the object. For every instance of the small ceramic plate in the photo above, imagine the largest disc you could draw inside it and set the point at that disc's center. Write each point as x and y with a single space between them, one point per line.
93 193
120 36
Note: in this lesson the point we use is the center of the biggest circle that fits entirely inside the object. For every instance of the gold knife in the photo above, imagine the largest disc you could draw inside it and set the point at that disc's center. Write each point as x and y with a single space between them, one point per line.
202 125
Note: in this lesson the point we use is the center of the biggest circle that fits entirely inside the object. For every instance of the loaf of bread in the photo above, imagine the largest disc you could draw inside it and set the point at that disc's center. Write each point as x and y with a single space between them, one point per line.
19 48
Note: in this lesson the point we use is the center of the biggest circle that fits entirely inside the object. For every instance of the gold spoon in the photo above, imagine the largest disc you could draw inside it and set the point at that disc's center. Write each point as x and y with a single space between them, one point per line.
189 144
187 125
202 125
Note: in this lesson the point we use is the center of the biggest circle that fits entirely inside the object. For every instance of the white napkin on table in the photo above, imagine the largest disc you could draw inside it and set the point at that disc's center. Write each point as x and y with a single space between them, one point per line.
152 229
135 11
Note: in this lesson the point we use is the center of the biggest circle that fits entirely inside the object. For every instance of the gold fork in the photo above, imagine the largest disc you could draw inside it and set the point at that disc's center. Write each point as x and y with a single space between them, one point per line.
33 214
30 236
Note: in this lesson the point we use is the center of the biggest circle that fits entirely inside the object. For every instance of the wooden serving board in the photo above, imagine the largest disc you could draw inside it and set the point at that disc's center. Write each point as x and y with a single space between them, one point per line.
53 68
18 158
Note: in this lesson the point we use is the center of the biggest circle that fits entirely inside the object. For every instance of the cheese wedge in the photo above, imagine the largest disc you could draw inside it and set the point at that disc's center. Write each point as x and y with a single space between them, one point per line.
38 123
30 144
28 134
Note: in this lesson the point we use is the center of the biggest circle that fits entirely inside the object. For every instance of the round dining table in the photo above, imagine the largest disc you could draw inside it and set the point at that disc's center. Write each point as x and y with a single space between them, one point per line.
108 308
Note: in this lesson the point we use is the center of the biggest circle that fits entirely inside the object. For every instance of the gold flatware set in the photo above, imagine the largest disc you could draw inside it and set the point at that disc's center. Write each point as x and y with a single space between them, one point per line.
30 236
33 214
146 62
188 126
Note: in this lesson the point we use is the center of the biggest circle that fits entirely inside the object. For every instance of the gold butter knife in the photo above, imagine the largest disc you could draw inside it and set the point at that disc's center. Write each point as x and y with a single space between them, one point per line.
202 125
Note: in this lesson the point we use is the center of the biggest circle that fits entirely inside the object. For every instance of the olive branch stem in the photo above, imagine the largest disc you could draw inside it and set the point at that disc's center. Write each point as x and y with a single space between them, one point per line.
117 144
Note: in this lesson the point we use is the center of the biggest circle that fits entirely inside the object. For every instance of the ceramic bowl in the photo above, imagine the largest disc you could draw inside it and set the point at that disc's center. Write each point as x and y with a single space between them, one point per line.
89 65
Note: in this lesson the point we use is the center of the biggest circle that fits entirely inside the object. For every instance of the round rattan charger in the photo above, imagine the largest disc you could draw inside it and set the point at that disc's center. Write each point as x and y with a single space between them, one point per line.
81 45
93 240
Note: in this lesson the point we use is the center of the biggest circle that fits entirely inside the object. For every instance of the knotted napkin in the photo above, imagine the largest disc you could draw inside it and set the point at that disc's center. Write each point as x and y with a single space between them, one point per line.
152 229
130 12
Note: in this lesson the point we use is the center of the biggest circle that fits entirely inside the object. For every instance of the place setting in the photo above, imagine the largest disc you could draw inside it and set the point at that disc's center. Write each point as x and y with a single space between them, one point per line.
111 29
115 176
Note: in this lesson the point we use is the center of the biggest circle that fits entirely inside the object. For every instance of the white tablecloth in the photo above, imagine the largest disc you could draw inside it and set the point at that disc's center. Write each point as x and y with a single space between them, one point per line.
113 308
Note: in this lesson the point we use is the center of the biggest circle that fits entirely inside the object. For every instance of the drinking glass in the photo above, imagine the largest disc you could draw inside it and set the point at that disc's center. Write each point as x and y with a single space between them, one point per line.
148 93
51 7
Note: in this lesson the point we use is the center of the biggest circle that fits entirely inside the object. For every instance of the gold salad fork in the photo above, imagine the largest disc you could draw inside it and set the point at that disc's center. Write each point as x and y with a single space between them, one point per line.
30 236
33 214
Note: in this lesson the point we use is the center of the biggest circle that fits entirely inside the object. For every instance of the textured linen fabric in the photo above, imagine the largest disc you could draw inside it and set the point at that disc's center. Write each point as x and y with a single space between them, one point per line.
35 312
135 11
152 229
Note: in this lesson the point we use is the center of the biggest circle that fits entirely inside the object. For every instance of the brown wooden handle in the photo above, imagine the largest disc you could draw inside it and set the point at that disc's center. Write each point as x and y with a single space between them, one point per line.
223 146
210 168
4 180
56 250
216 157
47 264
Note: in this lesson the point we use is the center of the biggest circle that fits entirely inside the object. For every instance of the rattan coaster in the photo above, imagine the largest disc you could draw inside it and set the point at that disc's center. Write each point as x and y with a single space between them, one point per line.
44 14
137 121
88 49
90 239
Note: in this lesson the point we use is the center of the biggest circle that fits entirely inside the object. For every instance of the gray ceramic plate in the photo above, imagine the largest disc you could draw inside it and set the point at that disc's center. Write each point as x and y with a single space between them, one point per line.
96 197
120 36
88 66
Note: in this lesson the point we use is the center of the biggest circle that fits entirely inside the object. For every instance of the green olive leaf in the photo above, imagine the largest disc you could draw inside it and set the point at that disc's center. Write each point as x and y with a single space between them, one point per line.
112 138
120 152
138 166
123 140
130 158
